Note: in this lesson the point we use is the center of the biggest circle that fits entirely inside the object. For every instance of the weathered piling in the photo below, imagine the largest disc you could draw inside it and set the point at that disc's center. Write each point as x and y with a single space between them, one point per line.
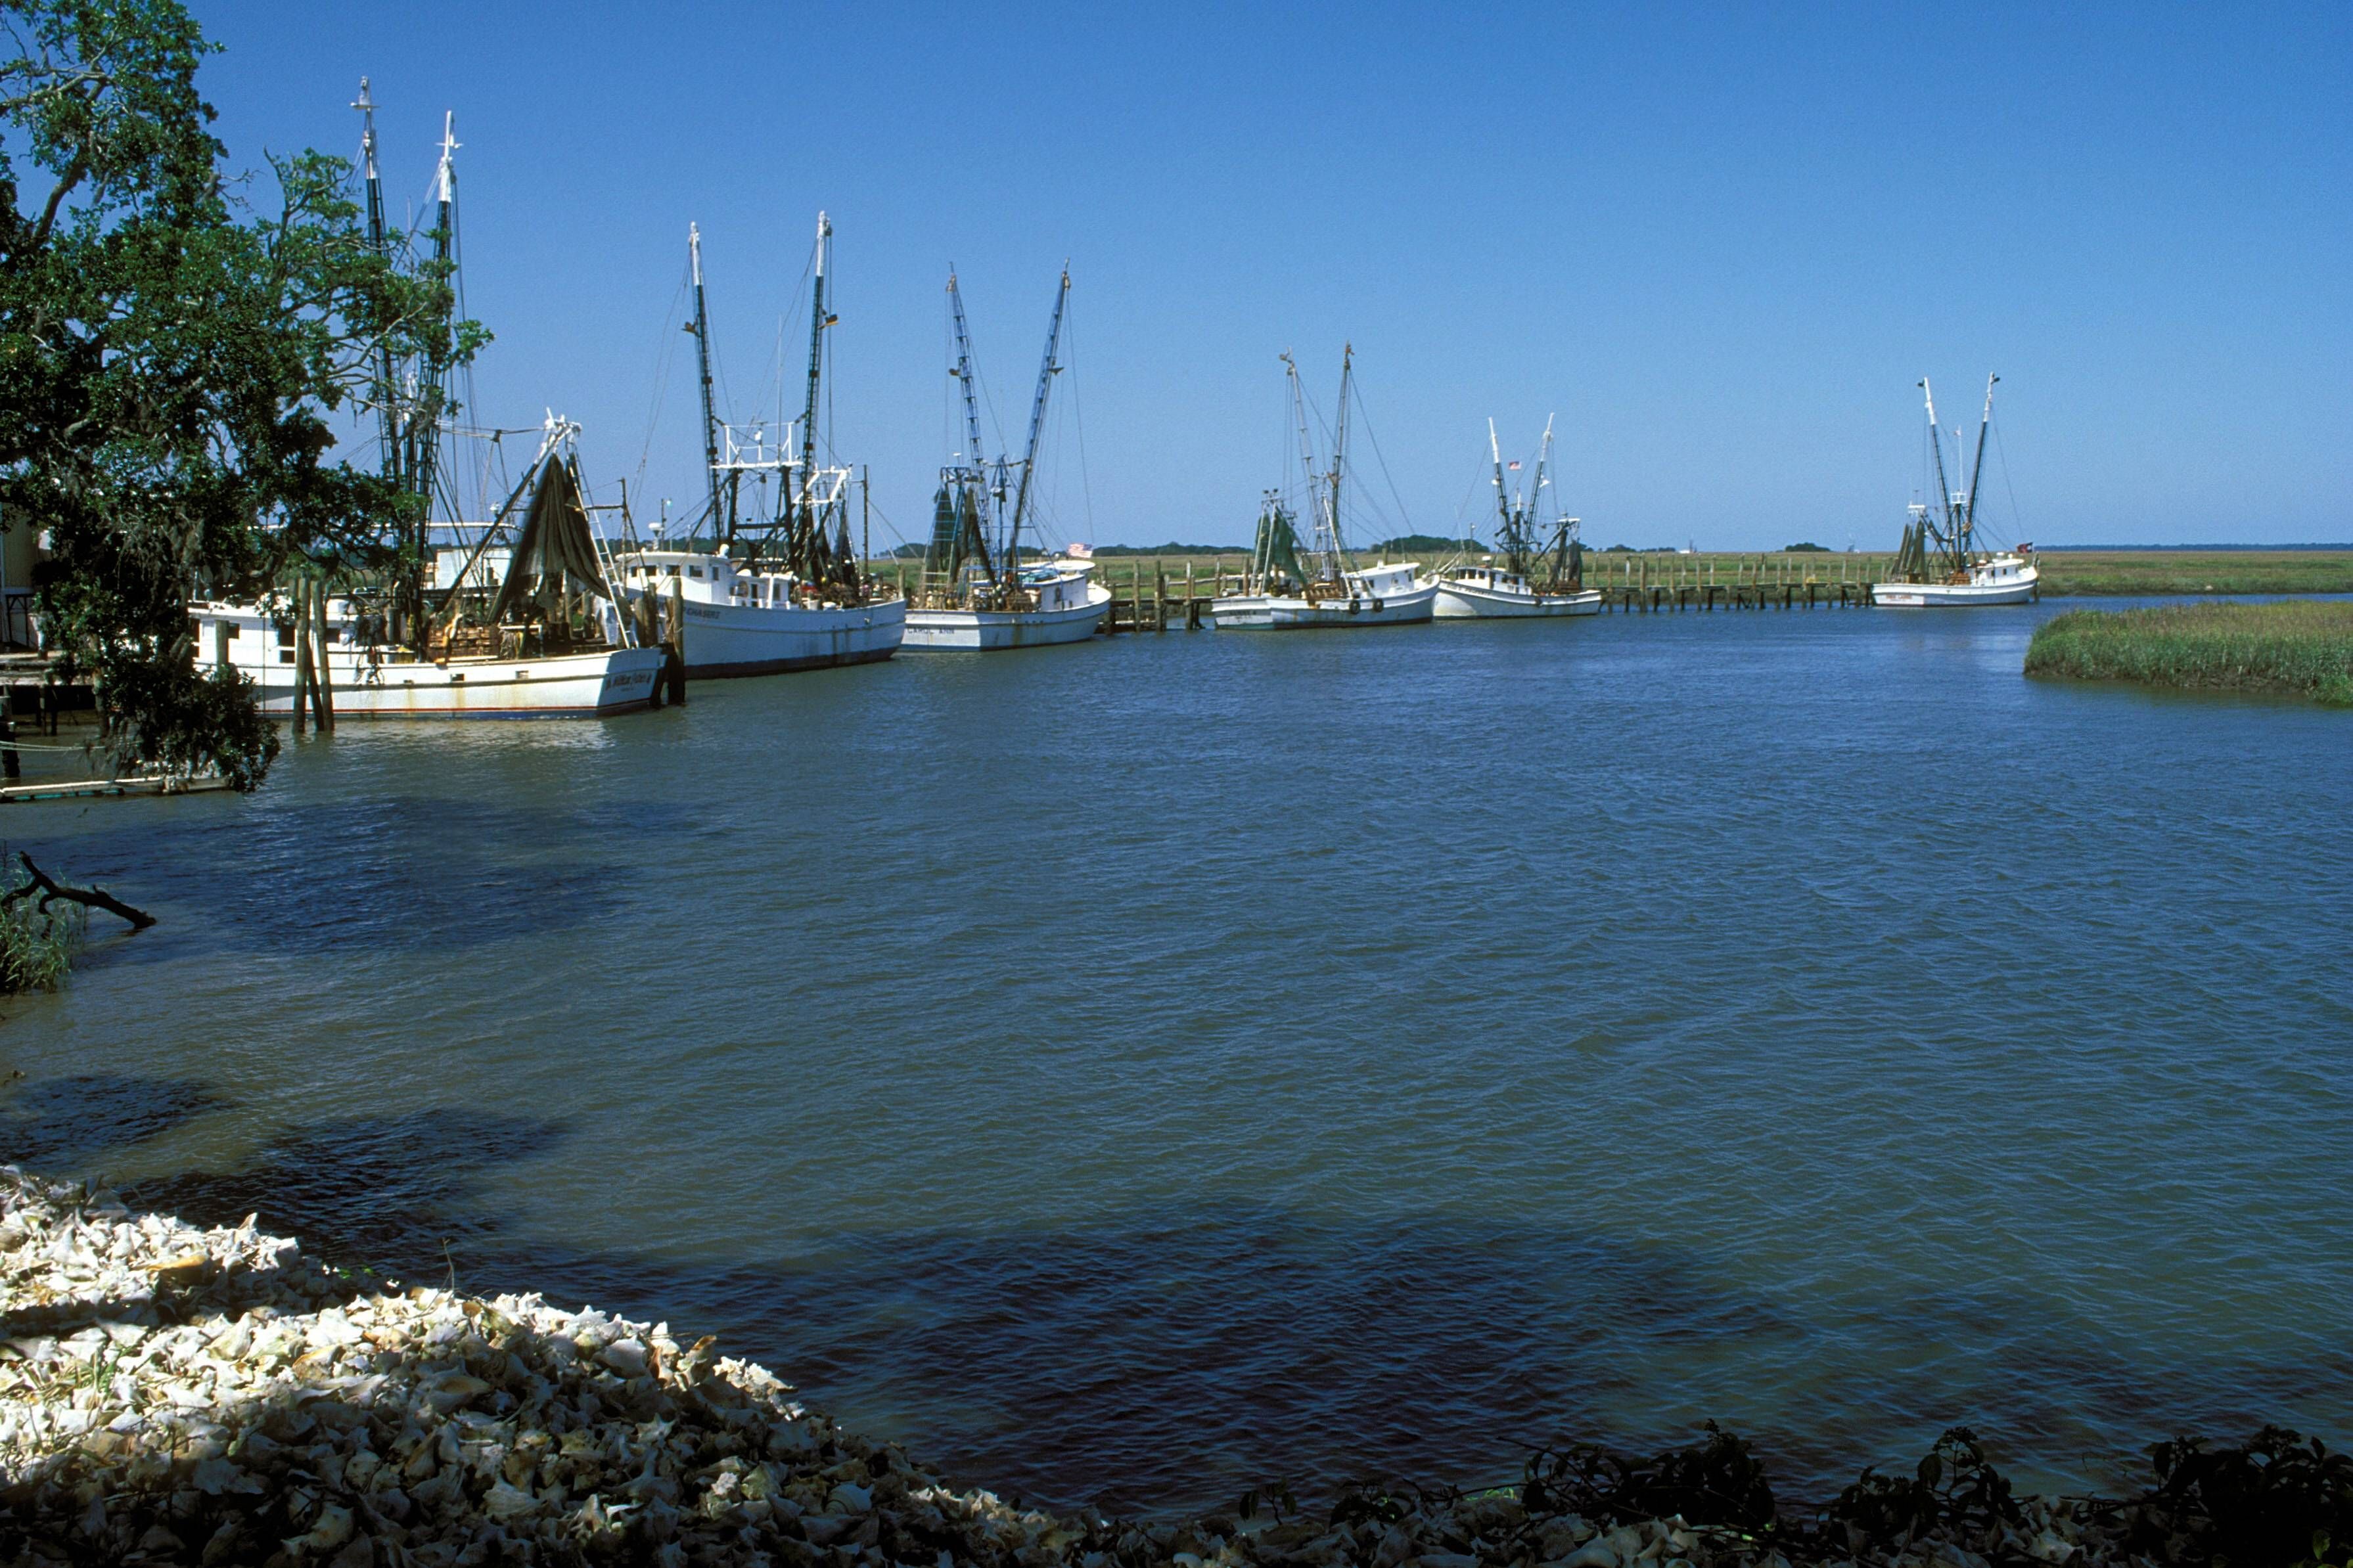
673 676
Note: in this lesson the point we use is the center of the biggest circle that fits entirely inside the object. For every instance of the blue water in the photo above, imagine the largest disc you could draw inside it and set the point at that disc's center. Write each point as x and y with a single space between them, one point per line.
1130 1073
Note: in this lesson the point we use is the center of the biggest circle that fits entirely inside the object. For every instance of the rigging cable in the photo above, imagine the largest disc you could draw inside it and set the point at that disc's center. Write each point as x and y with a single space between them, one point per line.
1079 418
665 351
1401 523
2001 455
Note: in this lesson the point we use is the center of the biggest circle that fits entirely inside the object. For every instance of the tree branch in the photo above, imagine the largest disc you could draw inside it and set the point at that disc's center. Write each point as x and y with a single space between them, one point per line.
91 898
72 177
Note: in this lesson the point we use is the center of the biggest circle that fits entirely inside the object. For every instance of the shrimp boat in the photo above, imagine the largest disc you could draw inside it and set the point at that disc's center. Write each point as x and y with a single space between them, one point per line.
1512 590
1286 590
976 595
1939 565
541 641
781 589
535 637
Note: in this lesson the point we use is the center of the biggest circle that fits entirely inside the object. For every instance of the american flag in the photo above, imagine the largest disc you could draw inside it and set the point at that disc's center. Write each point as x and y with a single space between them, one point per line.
1516 467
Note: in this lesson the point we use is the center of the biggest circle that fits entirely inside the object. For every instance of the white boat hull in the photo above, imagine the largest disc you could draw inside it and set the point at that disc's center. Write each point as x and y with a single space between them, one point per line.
570 685
759 639
372 681
992 631
750 617
1269 612
2019 589
1471 601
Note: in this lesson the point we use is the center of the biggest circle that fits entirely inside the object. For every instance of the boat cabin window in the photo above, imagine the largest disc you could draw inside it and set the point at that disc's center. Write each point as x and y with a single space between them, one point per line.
694 572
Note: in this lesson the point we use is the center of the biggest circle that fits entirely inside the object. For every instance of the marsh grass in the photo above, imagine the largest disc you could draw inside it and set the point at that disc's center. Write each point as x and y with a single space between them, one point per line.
37 948
2153 573
2301 647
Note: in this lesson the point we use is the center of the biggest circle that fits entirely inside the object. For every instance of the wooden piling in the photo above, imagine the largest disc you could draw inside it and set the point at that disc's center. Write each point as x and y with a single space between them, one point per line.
322 685
301 658
673 673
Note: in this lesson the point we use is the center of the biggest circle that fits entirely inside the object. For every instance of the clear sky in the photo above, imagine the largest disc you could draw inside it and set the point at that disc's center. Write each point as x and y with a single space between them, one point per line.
1721 243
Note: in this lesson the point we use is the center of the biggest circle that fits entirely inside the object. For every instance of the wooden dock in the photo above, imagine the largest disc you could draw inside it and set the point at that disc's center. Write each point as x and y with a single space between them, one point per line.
1153 598
88 789
1651 584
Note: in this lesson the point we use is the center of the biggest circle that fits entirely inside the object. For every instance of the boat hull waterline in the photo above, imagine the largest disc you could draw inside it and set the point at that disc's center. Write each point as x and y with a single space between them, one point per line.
1468 601
1271 612
378 683
993 631
2002 581
725 641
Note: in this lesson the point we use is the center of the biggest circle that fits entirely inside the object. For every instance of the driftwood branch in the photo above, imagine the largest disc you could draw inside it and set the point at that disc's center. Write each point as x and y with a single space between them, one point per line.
92 897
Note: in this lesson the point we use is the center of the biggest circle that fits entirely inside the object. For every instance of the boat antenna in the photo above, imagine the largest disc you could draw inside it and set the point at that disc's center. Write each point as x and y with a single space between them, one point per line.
1047 371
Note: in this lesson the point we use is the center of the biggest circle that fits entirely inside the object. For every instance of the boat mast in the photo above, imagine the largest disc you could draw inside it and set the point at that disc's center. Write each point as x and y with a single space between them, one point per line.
422 438
972 474
1339 455
425 431
1536 499
973 460
1508 535
1047 371
388 415
809 547
1949 537
1977 468
723 517
1515 513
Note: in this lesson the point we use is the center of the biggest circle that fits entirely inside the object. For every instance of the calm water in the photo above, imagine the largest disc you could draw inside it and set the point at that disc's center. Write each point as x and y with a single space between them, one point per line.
1133 1071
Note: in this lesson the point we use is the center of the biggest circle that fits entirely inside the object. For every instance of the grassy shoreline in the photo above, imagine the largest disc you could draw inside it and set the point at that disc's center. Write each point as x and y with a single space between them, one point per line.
2159 572
2296 646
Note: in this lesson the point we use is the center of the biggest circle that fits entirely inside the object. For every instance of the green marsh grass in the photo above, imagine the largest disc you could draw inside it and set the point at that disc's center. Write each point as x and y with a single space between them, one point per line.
2154 572
2301 647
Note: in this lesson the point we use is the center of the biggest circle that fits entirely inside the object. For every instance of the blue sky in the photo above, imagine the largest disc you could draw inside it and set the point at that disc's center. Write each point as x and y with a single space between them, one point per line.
1722 243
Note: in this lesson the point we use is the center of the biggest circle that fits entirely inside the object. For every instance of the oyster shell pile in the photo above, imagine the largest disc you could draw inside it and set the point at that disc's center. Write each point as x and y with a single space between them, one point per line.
175 1395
